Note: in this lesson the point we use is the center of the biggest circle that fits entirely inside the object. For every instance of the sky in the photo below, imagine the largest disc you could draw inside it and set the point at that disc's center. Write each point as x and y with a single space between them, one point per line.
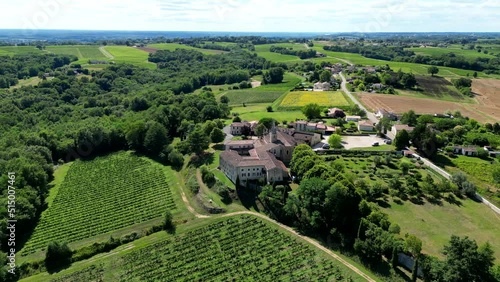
254 15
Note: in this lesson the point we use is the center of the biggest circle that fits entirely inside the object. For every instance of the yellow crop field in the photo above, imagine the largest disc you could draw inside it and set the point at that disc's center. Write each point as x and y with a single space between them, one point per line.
302 98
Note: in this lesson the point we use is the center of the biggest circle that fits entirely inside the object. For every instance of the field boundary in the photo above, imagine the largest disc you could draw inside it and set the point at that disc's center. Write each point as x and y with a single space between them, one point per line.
106 53
283 227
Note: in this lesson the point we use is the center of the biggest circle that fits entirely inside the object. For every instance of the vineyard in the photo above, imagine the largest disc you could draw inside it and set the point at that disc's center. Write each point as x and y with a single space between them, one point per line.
241 248
100 196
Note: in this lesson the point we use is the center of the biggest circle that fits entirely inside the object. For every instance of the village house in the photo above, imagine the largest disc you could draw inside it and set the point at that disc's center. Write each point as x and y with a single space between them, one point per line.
243 128
335 113
353 118
382 113
400 127
365 125
262 158
309 138
320 127
322 86
470 151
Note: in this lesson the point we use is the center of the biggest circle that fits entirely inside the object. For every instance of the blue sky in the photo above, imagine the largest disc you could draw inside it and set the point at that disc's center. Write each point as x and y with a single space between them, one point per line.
254 15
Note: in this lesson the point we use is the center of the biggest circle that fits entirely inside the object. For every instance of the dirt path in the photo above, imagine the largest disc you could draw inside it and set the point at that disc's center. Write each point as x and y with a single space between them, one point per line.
282 226
185 200
106 53
305 238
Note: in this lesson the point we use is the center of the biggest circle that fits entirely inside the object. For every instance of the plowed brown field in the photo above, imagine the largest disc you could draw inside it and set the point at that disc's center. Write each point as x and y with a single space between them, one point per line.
486 110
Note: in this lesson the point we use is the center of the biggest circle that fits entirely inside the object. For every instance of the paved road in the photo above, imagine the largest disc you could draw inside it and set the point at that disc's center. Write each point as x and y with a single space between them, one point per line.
371 116
448 176
227 131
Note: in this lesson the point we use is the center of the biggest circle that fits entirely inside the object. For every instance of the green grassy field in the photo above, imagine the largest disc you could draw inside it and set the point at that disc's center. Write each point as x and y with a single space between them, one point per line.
236 248
174 46
479 171
100 196
435 224
435 51
258 111
83 52
405 67
11 50
302 98
263 94
130 55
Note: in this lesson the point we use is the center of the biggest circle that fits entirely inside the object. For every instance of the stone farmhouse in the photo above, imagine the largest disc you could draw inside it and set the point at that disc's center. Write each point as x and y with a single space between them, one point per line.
259 159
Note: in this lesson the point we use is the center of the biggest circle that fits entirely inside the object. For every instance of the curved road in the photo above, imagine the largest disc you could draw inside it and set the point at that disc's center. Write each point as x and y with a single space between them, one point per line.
371 116
448 176
284 227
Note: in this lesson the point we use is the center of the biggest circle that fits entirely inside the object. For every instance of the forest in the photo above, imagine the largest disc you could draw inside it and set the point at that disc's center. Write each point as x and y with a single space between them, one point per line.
122 107
23 66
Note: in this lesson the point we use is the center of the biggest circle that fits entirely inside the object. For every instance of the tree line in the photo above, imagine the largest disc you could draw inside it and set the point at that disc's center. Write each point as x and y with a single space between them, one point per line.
332 205
398 54
303 54
23 66
69 117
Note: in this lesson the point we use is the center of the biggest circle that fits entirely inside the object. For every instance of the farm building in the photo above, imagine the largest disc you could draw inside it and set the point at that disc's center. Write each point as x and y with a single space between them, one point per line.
382 113
322 86
400 127
353 118
258 159
336 113
309 138
470 151
304 126
243 128
365 125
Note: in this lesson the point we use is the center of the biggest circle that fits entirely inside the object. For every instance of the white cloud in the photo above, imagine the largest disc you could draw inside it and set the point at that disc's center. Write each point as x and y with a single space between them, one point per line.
254 15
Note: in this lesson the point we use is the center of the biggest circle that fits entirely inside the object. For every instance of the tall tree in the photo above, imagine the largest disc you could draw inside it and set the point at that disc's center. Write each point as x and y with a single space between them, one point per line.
432 70
402 140
325 76
156 137
312 111
335 141
274 75
197 141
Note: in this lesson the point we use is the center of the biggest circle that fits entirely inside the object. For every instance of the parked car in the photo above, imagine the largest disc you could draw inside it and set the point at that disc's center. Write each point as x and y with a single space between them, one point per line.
388 141
375 144
326 147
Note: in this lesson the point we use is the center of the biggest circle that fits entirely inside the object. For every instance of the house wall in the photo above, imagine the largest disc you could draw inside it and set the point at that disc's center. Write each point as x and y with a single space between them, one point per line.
251 172
365 128
229 170
239 147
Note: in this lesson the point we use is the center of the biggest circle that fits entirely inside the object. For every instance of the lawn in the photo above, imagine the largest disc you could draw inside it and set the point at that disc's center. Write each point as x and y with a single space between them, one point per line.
130 55
435 224
221 249
258 111
100 196
263 94
325 98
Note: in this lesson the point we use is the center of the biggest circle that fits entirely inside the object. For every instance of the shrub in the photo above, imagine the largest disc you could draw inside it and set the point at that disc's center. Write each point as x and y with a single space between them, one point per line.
57 255
168 223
